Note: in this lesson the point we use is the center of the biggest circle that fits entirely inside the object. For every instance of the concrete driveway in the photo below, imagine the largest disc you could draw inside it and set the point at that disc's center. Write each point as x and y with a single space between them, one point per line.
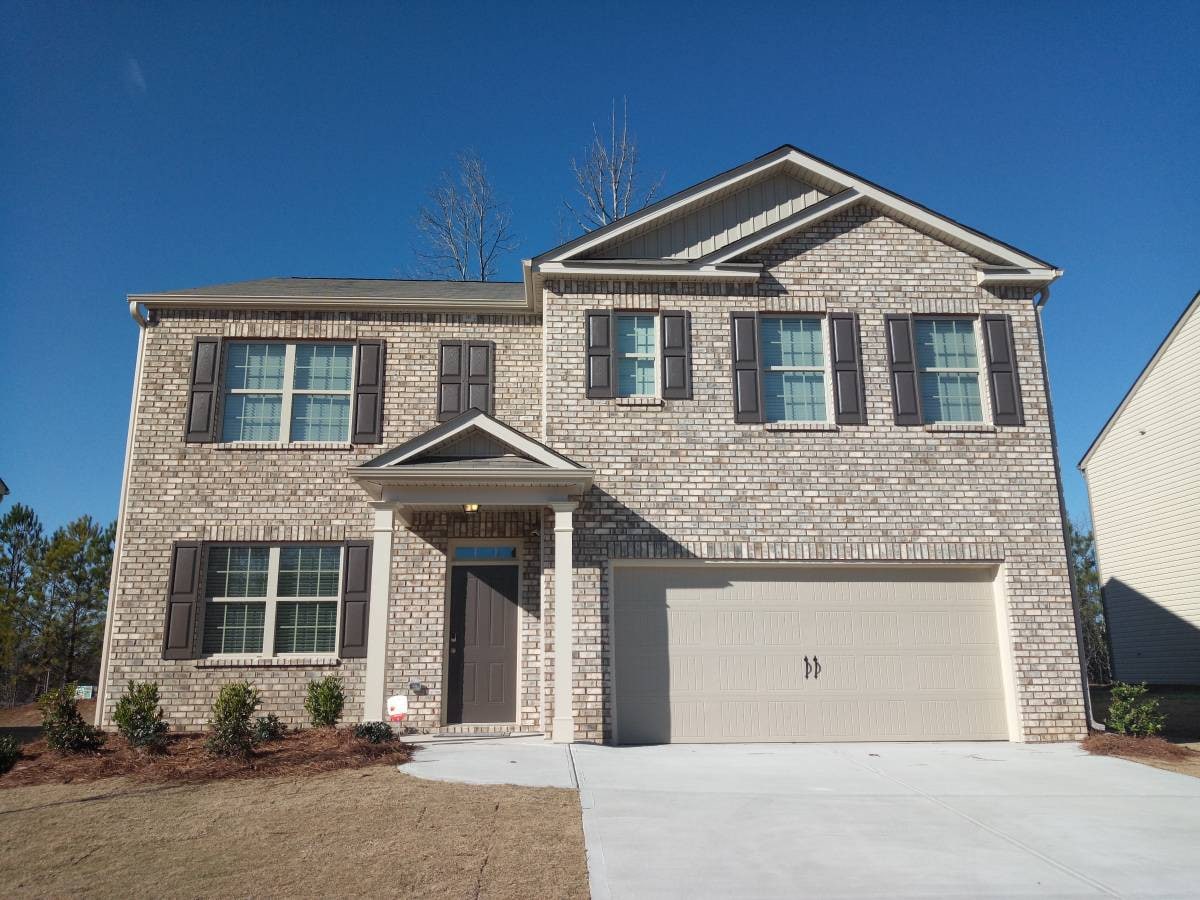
884 820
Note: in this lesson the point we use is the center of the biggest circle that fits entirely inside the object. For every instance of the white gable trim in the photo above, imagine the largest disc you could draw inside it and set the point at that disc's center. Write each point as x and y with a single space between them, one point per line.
1127 399
813 169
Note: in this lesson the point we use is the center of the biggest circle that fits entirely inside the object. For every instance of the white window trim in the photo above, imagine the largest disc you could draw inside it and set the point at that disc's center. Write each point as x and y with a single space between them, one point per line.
824 369
984 404
657 356
288 393
272 599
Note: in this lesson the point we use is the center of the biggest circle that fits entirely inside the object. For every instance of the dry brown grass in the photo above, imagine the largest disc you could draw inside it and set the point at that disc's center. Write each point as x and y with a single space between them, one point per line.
28 714
368 832
186 759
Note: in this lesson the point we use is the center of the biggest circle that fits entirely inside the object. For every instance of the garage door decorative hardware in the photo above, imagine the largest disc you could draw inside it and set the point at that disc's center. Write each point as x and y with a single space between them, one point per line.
812 668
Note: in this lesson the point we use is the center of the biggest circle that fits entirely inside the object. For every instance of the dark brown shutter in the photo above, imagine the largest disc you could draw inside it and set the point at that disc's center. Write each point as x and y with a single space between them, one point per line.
845 353
1002 371
599 328
747 390
356 600
480 365
676 328
452 370
906 398
368 393
185 603
205 391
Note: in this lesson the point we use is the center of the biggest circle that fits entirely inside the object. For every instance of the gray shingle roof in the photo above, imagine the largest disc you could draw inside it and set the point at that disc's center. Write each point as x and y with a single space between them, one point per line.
357 288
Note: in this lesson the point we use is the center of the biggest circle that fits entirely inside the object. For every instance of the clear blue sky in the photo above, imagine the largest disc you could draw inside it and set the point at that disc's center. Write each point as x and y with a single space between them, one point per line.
153 146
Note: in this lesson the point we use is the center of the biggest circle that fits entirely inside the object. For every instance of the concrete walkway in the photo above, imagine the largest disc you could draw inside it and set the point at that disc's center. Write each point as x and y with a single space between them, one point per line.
527 761
886 820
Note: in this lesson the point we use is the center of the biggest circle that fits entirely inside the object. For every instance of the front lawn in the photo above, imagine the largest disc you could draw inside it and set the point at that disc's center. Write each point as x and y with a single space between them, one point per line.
363 832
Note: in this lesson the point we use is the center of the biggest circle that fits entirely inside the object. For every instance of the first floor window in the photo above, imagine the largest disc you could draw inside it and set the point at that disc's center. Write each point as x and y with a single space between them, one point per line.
637 355
271 600
793 369
287 392
948 369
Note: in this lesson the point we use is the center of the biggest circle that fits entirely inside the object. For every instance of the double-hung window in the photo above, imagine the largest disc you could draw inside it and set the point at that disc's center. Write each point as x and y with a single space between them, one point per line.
637 355
794 380
267 601
948 370
287 393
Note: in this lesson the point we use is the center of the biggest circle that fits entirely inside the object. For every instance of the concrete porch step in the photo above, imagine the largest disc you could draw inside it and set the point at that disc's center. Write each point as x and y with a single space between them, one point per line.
478 728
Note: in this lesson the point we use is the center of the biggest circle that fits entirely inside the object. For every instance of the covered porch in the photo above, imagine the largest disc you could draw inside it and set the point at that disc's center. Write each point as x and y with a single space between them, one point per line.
471 465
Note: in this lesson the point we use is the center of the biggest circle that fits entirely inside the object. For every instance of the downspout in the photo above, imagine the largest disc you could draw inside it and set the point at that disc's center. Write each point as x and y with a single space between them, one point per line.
102 686
1038 305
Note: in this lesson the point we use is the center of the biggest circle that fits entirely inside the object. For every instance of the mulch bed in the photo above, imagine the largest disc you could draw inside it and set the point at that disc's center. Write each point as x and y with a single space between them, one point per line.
186 759
1111 744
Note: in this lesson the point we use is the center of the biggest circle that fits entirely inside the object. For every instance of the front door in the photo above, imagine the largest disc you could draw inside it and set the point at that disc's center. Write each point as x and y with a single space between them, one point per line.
483 644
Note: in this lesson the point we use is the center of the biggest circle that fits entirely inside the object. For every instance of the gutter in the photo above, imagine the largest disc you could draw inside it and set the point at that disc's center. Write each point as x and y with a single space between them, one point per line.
102 683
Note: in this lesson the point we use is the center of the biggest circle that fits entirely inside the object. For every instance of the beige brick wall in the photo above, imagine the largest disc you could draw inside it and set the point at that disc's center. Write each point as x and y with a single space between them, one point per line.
682 480
183 491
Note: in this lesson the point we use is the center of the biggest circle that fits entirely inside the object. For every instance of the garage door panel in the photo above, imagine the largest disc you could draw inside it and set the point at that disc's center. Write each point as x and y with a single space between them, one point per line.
718 654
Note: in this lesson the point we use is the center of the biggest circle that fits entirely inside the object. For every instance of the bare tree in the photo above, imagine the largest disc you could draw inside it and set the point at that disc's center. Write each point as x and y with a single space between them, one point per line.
609 177
465 226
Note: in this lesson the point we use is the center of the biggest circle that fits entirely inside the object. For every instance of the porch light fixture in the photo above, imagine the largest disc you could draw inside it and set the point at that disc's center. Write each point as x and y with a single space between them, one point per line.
470 507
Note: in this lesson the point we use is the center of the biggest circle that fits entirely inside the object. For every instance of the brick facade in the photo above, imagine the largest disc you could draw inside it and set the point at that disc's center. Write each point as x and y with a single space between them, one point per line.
673 480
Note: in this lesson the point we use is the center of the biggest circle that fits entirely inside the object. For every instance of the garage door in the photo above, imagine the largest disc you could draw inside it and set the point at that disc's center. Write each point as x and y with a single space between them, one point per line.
759 653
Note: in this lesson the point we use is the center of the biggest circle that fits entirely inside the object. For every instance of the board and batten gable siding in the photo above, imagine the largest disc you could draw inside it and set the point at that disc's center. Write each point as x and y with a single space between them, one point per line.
1143 480
683 480
229 493
718 222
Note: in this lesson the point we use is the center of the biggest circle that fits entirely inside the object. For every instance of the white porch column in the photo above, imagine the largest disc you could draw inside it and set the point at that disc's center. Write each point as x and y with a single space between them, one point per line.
563 728
377 623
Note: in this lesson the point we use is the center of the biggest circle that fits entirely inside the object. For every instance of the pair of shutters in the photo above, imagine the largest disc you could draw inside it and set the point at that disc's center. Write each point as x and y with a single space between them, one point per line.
184 627
845 355
1000 353
366 419
675 354
466 377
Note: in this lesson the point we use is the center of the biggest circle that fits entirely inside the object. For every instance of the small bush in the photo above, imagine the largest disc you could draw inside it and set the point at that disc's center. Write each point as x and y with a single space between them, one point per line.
63 726
1132 712
10 752
139 718
232 729
325 701
268 728
374 732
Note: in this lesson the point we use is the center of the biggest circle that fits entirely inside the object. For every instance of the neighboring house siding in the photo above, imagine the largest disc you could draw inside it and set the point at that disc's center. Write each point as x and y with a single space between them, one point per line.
682 480
215 492
1144 484
712 226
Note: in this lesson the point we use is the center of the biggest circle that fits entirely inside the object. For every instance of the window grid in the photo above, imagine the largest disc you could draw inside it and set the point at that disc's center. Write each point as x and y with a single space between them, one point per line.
795 386
274 622
948 370
637 355
281 407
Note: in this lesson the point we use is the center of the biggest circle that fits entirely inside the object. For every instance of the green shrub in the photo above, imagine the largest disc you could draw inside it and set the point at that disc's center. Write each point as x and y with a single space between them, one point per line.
63 726
1132 712
374 732
139 718
10 752
232 729
268 728
325 701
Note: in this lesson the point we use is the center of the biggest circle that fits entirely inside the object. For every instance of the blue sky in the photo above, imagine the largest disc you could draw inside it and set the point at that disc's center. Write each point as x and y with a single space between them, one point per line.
153 146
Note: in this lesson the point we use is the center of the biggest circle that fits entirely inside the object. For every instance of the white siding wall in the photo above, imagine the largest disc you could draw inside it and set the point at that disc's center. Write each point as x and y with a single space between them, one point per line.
1144 482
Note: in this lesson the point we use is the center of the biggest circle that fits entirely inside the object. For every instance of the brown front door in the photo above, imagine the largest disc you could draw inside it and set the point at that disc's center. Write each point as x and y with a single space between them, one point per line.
483 644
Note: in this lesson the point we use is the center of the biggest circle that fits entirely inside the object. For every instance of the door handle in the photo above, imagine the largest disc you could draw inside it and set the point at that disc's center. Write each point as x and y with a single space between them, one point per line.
816 668
807 668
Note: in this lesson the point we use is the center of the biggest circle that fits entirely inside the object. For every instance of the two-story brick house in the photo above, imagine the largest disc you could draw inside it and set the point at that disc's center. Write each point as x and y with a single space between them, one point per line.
769 460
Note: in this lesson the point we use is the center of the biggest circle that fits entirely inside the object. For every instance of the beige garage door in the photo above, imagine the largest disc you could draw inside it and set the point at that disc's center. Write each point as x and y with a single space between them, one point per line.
759 653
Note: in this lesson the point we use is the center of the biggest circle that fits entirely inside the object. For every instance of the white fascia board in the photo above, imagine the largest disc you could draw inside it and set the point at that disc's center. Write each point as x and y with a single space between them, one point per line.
161 301
499 431
653 268
999 275
807 216
468 475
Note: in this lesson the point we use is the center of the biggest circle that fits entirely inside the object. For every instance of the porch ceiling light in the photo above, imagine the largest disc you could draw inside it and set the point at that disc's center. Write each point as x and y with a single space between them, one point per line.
470 507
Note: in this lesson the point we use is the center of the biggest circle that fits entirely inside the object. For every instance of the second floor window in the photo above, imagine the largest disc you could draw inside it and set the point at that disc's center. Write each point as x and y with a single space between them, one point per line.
793 369
637 355
948 370
287 392
264 601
